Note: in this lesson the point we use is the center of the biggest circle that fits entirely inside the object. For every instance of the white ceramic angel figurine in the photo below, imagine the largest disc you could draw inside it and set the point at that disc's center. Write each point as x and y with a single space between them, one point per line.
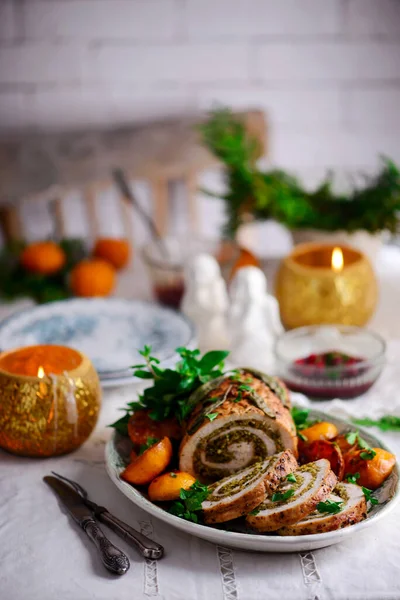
205 302
254 321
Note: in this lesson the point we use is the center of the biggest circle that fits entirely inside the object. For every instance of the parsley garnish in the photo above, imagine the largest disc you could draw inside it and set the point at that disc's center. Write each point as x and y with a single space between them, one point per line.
352 437
254 512
385 423
281 496
169 395
300 417
368 454
212 416
329 506
291 477
149 442
245 388
191 500
352 478
303 438
238 397
368 496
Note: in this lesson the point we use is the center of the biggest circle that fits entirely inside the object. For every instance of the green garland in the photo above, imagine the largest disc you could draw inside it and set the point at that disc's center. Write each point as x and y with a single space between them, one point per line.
277 195
16 282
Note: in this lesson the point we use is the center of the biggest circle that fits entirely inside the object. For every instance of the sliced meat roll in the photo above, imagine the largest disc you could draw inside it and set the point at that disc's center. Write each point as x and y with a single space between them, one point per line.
292 501
238 494
238 421
352 510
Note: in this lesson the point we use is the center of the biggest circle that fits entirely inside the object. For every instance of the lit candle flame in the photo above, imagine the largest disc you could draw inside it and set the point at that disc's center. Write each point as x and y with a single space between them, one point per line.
337 260
40 372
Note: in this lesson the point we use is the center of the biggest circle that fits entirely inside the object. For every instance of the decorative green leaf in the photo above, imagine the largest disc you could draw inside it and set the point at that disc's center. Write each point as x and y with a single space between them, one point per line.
291 477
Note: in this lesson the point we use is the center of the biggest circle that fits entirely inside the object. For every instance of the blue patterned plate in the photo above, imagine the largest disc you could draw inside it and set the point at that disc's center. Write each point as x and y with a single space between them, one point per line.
109 331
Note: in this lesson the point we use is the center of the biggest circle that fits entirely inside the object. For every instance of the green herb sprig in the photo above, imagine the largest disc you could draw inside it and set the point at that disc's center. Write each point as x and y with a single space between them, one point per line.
275 194
329 506
169 395
385 423
354 437
189 505
291 477
369 496
149 443
254 512
300 417
352 478
282 496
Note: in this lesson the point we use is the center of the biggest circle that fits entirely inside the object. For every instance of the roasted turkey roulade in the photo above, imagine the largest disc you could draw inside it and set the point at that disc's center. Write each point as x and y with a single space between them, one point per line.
238 494
239 419
352 509
294 500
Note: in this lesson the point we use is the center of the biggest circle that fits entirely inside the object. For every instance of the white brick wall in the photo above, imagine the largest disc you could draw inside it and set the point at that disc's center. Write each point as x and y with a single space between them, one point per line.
327 72
222 18
149 20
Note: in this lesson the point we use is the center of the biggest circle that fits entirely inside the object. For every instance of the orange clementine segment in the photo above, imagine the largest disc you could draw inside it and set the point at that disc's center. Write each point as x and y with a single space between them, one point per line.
373 472
151 463
320 431
168 486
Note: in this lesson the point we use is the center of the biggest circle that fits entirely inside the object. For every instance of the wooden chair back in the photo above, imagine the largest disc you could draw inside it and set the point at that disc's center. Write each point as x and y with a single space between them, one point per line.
48 167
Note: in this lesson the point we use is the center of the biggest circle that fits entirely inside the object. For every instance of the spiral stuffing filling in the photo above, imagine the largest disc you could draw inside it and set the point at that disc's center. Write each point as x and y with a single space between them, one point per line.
234 446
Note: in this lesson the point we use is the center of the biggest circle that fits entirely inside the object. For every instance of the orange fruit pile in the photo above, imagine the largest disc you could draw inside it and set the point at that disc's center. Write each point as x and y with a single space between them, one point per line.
115 251
95 276
45 258
92 277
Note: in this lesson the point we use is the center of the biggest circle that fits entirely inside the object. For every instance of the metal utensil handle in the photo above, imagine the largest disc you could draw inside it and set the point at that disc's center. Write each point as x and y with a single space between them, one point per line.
147 547
113 559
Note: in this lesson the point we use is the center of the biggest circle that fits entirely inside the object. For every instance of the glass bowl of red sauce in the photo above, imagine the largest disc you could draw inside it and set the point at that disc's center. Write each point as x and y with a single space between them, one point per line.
166 262
330 361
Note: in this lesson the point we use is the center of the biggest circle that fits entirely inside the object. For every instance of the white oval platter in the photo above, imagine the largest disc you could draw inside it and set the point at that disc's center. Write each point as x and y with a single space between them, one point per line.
388 495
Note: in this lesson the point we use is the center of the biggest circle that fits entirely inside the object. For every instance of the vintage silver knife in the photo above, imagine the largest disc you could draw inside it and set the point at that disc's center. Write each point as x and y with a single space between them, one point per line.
113 559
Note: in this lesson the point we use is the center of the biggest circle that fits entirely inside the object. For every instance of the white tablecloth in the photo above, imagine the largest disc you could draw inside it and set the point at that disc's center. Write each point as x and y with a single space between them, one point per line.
44 556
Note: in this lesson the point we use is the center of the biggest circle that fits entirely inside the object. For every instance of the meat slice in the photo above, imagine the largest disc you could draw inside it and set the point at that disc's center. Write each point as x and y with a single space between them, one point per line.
353 510
237 422
293 501
236 495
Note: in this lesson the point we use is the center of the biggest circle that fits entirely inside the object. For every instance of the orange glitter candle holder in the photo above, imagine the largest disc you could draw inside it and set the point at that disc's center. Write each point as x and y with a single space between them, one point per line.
323 283
50 400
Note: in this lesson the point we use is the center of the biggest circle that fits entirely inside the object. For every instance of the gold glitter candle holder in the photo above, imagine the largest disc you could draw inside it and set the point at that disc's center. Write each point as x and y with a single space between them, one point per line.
313 289
49 414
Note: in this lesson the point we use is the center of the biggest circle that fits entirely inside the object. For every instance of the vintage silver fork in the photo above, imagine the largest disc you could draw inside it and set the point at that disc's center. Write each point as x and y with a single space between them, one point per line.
147 547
